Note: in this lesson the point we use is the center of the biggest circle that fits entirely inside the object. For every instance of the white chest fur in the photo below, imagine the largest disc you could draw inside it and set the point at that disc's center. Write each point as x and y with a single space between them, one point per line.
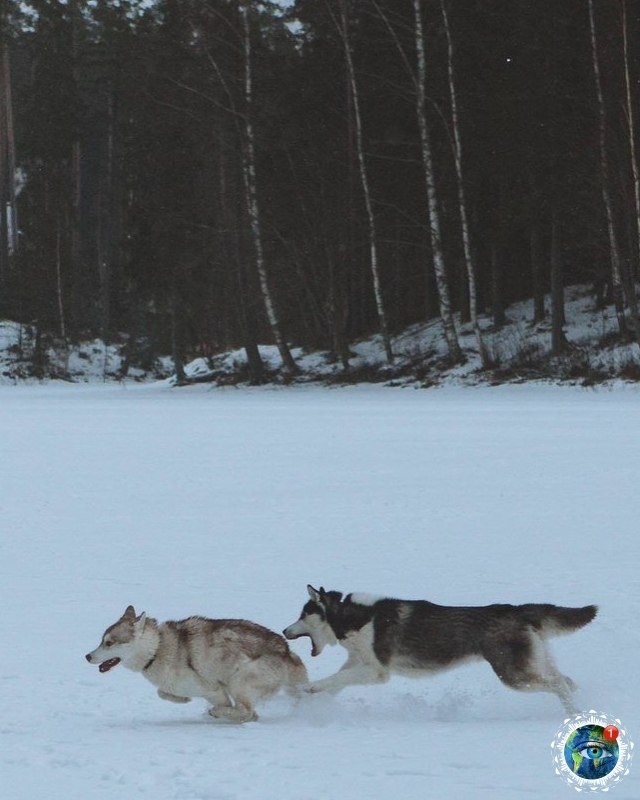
359 644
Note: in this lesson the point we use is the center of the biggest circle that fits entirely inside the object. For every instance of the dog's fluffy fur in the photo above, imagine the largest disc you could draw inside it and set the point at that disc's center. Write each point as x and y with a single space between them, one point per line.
232 663
415 637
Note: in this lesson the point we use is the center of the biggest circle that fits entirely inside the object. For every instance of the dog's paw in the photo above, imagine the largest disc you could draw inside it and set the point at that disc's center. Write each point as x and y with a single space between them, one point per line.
314 688
233 714
219 712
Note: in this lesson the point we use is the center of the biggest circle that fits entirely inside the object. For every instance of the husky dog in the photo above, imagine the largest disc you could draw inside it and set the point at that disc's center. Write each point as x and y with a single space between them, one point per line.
232 663
415 637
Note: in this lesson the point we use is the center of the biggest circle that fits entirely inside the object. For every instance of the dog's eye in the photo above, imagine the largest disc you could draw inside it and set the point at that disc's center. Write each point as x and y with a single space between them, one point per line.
108 643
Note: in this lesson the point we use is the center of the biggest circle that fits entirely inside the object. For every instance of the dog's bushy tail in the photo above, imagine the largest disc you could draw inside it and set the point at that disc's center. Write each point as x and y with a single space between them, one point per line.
298 677
556 620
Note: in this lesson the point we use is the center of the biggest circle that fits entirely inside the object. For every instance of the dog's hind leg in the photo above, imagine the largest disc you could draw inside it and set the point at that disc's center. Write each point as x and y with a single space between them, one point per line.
242 711
551 679
523 662
559 684
563 689
239 705
220 702
254 682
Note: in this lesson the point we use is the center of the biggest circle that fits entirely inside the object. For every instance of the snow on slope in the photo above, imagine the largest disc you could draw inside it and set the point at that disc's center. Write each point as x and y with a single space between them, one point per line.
227 502
518 351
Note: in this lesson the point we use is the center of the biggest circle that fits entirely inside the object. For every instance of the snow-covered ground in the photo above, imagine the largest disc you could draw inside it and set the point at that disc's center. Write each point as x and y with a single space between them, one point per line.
228 502
518 351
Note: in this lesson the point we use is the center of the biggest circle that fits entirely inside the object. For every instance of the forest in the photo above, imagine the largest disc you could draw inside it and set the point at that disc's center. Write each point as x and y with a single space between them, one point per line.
188 176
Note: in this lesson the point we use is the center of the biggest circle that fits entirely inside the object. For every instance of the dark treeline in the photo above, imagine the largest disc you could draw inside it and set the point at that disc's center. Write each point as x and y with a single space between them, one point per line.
200 174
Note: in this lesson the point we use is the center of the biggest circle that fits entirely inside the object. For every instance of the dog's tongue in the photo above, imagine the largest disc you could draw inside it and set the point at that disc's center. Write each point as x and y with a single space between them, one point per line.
108 664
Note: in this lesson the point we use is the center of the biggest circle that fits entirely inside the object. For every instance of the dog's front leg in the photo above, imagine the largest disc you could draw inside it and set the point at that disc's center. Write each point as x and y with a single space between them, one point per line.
173 698
351 675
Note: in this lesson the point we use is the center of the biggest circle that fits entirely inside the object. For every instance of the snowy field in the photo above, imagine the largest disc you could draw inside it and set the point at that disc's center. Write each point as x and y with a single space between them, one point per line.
227 503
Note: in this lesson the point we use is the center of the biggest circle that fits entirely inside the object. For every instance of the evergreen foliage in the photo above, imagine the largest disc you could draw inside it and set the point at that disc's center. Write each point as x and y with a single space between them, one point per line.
129 122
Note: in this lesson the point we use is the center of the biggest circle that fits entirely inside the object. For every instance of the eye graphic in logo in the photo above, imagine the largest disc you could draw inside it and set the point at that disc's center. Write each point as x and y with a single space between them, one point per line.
592 752
589 753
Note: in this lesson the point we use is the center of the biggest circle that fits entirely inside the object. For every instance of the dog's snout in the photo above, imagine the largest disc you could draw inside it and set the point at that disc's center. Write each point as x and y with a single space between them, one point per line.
88 657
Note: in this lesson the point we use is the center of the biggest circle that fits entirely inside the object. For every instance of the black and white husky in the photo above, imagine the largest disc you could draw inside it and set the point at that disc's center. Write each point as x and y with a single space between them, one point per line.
415 637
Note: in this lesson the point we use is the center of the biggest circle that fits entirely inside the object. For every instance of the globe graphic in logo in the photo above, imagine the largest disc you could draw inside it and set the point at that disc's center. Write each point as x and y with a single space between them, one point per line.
589 753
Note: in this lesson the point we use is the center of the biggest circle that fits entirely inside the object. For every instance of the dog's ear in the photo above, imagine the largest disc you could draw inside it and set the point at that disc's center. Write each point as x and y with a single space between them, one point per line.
141 620
129 613
314 594
329 596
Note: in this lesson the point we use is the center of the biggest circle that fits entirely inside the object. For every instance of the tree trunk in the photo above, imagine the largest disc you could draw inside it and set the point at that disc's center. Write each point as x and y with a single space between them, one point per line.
497 304
558 340
632 143
39 357
63 327
249 174
12 222
337 315
176 339
446 313
462 204
105 227
364 178
235 254
76 177
614 249
255 364
535 250
5 178
630 272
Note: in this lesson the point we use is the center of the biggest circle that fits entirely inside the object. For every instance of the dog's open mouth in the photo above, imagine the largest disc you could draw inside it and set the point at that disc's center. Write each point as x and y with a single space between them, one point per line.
108 664
314 651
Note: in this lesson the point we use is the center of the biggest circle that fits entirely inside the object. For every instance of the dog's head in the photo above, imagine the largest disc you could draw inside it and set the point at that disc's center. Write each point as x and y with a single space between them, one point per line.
314 619
117 640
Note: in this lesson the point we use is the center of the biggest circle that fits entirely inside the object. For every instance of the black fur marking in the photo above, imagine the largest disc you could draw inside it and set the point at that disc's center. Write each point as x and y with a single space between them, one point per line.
312 607
347 616
426 635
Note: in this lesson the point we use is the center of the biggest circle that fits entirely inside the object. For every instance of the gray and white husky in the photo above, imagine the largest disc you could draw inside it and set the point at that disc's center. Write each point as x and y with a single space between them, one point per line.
232 663
416 637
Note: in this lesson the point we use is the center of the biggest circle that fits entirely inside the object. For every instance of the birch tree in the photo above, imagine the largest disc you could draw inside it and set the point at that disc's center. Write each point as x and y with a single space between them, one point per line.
249 175
12 212
343 29
446 312
8 213
462 203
